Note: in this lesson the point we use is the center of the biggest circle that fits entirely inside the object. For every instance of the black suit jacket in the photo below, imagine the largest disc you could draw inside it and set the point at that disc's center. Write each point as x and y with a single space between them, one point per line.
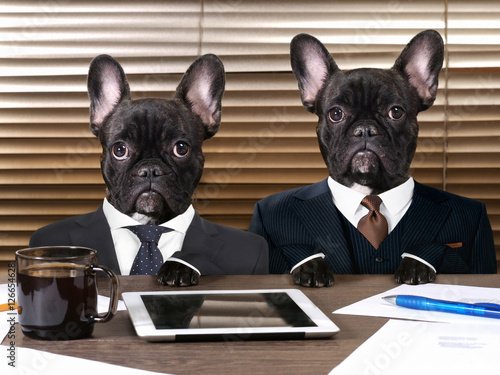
213 249
450 232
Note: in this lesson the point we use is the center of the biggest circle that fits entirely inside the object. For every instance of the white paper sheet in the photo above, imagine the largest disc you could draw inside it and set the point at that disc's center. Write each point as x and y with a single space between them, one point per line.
408 347
376 306
103 305
30 361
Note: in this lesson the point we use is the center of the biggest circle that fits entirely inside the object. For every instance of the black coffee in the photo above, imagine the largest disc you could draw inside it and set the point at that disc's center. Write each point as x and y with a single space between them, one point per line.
57 301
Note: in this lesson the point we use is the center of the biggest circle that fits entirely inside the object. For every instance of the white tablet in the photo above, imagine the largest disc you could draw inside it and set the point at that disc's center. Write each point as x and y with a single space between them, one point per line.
229 315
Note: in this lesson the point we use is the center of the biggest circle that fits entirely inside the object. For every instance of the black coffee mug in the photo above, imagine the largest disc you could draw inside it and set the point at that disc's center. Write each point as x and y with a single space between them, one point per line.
57 292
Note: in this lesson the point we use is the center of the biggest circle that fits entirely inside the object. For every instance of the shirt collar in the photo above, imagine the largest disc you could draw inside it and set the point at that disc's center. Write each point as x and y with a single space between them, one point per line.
349 200
117 219
399 197
345 199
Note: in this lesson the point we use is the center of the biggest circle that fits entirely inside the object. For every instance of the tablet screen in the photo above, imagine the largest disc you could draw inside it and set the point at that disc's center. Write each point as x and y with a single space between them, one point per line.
224 310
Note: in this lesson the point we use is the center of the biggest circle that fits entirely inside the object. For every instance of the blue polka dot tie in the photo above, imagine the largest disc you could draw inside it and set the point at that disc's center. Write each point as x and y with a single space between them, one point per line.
148 259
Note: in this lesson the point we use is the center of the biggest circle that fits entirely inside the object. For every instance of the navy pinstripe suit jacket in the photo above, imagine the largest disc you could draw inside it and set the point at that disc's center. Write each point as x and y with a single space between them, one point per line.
450 232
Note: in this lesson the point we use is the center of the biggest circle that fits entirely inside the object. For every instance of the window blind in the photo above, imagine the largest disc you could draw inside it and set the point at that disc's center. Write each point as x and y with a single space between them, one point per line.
49 160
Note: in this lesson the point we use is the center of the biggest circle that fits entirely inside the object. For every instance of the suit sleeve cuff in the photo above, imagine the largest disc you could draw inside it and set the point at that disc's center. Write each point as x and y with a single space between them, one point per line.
406 255
173 259
318 255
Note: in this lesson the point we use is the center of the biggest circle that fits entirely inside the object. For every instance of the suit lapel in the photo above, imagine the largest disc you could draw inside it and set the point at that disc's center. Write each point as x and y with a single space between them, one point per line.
315 209
201 234
426 216
94 232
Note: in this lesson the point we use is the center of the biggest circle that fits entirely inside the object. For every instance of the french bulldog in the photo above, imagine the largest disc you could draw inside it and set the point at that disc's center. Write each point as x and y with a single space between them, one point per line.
152 157
367 128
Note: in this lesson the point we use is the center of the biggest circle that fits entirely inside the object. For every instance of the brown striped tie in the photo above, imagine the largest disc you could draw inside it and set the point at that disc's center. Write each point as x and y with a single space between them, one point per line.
374 225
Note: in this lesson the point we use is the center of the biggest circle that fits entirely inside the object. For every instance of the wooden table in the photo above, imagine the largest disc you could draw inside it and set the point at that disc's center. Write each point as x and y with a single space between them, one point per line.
115 342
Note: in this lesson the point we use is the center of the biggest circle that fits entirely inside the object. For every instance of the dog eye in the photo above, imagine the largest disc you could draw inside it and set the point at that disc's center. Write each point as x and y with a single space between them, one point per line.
336 114
120 151
396 113
181 149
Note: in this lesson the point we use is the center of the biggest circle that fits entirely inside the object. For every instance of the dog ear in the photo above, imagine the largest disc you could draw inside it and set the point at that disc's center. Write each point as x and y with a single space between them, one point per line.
202 87
312 64
107 86
420 62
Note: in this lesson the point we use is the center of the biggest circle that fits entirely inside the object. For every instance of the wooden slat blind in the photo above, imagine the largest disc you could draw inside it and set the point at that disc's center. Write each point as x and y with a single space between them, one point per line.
472 122
49 160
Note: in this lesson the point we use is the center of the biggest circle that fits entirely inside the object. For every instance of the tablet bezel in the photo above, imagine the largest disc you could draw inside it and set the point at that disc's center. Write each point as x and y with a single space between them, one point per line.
146 329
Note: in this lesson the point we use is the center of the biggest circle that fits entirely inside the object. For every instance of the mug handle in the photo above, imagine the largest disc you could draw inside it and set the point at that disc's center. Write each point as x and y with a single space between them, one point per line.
113 299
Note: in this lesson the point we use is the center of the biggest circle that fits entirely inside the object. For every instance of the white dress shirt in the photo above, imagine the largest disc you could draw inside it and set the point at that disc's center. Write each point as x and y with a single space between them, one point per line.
127 244
395 203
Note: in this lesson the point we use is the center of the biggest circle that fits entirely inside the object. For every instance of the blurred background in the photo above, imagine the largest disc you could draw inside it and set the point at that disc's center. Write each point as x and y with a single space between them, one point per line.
49 160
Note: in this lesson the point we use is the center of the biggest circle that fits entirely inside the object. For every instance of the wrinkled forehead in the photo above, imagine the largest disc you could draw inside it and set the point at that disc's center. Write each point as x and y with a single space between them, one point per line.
367 87
153 119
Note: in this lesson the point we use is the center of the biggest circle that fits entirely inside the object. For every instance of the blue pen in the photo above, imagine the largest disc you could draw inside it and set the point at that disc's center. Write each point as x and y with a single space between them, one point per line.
486 310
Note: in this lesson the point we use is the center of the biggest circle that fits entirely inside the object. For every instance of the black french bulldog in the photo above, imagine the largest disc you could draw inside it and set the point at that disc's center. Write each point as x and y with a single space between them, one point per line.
152 162
152 156
151 170
367 128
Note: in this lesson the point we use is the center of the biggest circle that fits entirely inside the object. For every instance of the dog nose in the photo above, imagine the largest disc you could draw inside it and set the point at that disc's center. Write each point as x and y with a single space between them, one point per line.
149 171
365 131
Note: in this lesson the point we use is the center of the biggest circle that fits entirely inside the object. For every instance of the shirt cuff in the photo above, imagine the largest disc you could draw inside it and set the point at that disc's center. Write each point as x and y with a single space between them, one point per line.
406 255
173 259
318 255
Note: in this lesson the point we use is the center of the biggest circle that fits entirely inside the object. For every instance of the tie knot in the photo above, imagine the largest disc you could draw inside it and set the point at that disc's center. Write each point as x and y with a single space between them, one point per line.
148 233
372 202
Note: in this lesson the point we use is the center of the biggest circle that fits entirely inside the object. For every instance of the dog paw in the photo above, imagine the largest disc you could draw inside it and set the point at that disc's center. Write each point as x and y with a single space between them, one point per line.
177 274
413 272
314 273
